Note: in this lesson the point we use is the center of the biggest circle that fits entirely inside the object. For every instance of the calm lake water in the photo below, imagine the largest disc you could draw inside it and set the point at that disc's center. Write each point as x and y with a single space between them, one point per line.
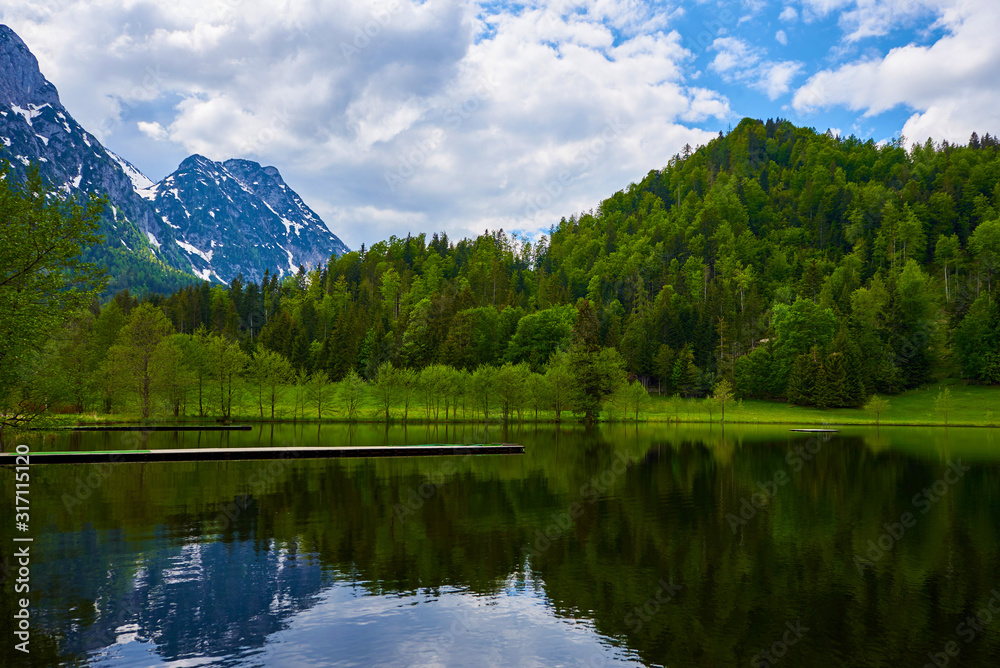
619 546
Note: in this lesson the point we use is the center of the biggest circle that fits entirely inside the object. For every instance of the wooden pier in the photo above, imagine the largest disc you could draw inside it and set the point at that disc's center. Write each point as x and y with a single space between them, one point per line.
243 454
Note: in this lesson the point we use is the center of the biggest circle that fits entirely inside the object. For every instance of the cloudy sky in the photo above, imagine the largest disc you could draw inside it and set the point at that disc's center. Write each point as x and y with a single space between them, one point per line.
396 116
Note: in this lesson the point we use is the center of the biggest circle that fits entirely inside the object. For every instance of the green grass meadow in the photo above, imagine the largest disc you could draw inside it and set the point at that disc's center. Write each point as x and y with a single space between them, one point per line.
971 405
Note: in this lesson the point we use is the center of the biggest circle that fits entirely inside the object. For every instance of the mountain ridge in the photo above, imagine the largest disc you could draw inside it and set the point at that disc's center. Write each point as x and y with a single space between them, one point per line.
150 241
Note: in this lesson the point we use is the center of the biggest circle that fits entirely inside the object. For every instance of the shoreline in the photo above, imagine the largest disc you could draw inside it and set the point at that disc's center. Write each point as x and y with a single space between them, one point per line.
211 424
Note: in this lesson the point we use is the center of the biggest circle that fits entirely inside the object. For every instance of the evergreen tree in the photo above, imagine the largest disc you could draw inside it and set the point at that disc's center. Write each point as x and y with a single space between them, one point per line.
663 368
685 373
838 391
801 381
822 395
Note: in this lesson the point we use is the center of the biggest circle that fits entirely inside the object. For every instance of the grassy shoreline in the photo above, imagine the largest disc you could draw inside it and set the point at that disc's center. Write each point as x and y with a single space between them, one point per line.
972 406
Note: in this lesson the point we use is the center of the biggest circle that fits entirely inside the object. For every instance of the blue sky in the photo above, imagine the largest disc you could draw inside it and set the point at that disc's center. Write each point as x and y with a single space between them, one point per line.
391 117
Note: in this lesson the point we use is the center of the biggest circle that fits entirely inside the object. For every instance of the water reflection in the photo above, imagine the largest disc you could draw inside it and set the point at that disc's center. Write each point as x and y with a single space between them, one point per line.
664 546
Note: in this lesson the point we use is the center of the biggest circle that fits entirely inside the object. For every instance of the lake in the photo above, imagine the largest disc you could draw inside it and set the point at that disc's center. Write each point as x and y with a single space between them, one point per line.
618 546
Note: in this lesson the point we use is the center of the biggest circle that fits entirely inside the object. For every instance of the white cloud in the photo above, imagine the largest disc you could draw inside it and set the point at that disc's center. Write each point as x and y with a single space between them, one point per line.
781 37
818 9
861 19
775 79
153 130
875 19
950 84
737 60
435 114
753 9
788 15
734 55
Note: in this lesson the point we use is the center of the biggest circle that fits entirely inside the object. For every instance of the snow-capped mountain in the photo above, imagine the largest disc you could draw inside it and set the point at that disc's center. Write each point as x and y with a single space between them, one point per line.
208 219
36 128
238 217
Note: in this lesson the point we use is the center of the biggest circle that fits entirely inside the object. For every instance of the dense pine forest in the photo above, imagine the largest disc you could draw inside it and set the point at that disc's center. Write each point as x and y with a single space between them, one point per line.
777 261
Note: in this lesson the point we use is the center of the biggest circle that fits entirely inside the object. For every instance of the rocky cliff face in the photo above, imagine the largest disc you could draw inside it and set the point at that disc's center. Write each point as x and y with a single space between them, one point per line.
36 128
238 217
212 220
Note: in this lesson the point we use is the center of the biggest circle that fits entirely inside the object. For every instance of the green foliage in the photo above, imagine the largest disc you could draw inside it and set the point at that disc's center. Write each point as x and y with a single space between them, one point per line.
433 381
540 335
350 392
407 380
482 388
270 373
226 363
723 394
793 264
877 406
755 375
512 383
685 373
43 283
559 383
137 358
799 328
977 341
386 387
639 398
943 405
174 379
596 376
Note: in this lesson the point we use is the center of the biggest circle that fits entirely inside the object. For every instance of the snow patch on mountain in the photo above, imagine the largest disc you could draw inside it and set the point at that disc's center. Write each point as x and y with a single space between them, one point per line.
139 180
30 113
207 257
203 274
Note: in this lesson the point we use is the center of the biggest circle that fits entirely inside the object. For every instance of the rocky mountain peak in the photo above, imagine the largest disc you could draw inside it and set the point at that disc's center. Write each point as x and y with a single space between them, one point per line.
21 80
197 163
210 219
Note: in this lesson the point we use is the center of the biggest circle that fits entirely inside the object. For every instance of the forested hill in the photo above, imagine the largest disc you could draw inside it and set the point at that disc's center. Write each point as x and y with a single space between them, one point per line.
795 264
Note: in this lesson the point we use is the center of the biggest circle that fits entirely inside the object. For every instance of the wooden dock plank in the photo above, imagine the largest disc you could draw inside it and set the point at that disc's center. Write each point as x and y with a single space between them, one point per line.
243 454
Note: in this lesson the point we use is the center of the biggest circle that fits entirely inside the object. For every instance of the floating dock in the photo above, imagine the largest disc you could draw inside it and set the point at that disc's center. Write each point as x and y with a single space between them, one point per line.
243 454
